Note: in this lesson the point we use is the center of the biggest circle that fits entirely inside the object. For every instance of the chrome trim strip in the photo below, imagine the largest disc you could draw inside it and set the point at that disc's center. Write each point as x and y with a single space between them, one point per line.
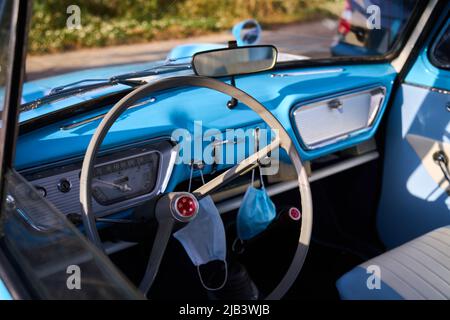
163 146
101 116
306 73
432 89
82 122
343 135
166 179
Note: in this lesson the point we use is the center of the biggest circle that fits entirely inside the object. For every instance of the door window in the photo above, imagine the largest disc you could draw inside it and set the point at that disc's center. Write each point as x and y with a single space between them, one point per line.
440 55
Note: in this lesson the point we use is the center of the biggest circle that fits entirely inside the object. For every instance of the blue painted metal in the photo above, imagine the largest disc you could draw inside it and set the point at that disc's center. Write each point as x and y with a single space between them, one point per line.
4 293
411 202
185 52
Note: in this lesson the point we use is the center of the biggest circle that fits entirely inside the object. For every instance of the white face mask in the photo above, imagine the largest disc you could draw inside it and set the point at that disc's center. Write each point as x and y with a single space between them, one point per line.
204 238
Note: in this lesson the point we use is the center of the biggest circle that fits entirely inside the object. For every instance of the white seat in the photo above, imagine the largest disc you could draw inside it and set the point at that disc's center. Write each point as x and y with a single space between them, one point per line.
417 270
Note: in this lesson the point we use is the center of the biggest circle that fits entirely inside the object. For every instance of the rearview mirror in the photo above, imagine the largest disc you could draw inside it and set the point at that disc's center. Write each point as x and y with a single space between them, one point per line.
234 61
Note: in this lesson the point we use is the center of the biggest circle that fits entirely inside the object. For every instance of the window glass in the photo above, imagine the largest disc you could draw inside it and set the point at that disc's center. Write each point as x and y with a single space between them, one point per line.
441 52
370 28
55 260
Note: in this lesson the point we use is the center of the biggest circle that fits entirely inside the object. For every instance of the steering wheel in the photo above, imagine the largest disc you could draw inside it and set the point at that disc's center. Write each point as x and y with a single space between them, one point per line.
163 209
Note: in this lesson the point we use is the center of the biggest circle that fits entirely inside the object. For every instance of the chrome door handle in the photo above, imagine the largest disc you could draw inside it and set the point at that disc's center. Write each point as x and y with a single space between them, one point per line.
336 104
442 161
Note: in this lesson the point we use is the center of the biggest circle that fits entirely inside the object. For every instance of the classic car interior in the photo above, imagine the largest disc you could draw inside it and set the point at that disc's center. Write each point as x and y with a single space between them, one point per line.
359 175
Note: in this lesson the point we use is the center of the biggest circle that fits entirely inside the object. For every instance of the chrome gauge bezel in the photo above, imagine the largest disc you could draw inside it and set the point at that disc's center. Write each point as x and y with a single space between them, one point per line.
48 176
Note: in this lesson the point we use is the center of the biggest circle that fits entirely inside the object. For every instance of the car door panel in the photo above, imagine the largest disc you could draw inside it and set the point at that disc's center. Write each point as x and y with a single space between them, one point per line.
414 196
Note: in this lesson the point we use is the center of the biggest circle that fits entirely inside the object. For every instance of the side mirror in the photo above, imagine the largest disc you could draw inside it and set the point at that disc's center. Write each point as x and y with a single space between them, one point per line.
247 33
234 61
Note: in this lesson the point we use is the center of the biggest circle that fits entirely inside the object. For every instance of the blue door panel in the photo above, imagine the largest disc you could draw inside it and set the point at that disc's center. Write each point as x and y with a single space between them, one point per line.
412 203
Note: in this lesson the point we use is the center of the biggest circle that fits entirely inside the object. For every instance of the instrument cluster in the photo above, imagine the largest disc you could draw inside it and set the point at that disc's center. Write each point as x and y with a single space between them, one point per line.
123 178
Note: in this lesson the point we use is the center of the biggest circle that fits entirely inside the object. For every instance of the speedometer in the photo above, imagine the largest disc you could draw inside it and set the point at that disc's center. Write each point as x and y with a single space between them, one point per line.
124 179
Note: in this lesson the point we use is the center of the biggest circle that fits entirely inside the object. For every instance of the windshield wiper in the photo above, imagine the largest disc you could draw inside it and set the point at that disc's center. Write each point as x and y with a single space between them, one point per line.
98 83
63 92
128 79
125 79
165 68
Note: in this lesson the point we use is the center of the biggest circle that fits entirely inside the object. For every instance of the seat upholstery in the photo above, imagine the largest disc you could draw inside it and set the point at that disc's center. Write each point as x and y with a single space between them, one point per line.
417 270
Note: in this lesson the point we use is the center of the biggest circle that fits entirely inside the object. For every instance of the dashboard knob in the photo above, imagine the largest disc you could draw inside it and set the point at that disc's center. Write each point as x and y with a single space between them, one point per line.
64 185
41 190
295 214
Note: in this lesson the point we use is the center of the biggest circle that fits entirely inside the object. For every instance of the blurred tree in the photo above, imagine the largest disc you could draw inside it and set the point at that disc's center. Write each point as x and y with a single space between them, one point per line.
109 22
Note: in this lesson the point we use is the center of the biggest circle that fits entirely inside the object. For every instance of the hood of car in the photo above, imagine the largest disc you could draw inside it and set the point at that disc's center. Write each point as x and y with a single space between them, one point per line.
34 90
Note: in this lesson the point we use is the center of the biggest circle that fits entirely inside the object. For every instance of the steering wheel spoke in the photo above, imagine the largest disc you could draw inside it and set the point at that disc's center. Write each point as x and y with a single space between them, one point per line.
165 227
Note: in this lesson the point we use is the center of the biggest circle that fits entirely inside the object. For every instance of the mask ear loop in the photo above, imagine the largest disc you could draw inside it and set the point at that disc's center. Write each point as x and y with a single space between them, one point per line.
238 249
238 244
261 177
191 176
253 178
257 132
223 283
201 176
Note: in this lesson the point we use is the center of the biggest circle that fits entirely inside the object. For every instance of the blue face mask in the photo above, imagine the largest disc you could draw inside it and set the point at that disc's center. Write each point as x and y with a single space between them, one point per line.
256 212
204 238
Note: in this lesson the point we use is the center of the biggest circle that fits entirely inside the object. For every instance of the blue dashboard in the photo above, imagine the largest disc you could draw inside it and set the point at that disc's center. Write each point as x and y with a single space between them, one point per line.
179 109
158 116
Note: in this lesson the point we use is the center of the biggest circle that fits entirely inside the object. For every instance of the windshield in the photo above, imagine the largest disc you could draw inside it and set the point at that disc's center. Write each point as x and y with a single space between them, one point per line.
101 39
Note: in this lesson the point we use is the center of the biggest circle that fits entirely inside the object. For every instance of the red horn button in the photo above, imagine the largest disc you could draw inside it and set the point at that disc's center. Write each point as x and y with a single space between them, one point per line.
295 214
186 206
